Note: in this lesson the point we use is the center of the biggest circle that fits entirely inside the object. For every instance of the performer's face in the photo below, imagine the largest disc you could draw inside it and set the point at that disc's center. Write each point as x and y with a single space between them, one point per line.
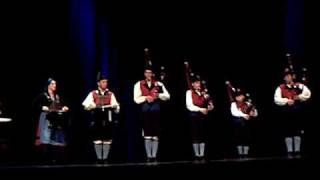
52 86
196 85
288 79
148 74
240 98
103 84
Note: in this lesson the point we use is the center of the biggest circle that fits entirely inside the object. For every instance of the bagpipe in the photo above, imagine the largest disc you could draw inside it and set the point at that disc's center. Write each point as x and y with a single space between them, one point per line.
161 76
232 92
251 107
303 78
203 90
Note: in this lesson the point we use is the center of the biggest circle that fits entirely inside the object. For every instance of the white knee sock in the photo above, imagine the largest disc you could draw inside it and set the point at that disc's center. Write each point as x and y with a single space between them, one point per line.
202 148
196 149
246 150
106 149
98 149
155 144
240 150
297 143
289 144
148 146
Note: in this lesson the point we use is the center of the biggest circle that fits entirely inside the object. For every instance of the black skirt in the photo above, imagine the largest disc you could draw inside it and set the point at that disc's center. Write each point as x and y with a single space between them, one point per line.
101 127
197 126
151 123
292 120
242 130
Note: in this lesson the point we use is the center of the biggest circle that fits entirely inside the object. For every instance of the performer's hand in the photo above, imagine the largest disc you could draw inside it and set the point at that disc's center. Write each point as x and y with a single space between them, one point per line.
114 106
91 106
204 111
252 113
290 102
210 107
156 96
149 99
246 117
45 108
296 98
65 109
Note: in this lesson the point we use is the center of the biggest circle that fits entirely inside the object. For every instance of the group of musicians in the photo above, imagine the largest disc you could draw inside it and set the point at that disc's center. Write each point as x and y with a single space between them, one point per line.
148 94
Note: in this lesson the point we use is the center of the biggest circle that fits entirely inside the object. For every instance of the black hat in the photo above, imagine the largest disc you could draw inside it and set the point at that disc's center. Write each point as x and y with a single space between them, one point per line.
148 66
288 71
49 81
238 92
194 78
101 77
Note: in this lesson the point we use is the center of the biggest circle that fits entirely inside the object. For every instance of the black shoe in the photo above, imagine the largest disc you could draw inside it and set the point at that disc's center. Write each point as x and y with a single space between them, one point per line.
100 161
290 155
245 156
202 160
196 160
53 162
149 160
297 155
154 160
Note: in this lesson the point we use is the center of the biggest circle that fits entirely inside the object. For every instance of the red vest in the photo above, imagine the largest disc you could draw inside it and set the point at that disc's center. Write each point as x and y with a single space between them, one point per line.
146 91
102 99
243 107
198 100
288 93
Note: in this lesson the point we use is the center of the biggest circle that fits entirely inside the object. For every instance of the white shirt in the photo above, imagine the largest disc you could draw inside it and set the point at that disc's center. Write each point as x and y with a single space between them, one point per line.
189 102
280 101
236 112
89 104
139 99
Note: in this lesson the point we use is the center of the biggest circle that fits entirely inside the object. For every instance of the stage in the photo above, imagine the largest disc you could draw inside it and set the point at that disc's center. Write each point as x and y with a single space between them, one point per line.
244 168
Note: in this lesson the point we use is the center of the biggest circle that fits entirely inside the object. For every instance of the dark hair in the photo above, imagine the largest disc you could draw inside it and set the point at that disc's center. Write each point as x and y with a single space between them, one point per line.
48 82
148 68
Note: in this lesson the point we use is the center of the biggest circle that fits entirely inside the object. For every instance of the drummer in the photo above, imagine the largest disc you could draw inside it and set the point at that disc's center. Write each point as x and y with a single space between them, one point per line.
102 118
